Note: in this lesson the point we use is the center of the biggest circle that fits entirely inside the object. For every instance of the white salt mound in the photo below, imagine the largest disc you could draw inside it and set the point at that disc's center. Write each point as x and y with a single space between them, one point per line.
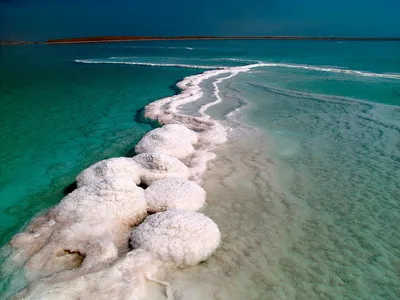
177 130
143 168
159 166
91 223
174 193
125 279
113 167
183 237
110 202
173 139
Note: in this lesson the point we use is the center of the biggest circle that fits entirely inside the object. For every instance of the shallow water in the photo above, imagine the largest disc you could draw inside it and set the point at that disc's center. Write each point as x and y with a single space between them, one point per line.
315 216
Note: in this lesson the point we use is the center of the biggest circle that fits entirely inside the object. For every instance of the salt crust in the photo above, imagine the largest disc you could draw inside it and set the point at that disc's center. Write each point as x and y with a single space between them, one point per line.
113 167
174 193
126 279
183 237
141 169
84 230
157 166
173 139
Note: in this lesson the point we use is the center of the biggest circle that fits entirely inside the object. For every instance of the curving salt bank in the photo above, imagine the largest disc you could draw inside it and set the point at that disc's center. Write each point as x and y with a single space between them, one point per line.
252 64
173 139
174 193
83 246
183 237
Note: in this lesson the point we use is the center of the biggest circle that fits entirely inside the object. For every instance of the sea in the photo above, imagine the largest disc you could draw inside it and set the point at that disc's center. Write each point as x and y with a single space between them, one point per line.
306 190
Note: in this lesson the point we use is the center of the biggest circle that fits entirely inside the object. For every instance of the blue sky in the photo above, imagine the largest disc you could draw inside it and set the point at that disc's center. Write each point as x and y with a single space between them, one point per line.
45 19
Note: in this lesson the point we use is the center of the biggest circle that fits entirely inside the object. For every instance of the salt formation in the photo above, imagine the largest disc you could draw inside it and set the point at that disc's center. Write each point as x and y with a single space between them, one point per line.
173 139
79 249
85 230
136 267
141 169
174 193
183 237
113 167
156 166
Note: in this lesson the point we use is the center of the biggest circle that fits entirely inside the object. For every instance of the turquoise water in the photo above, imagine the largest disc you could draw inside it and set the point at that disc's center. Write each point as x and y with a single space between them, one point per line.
58 117
340 158
333 134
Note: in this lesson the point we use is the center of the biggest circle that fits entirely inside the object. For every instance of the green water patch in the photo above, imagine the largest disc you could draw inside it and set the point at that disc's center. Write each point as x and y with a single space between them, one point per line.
59 117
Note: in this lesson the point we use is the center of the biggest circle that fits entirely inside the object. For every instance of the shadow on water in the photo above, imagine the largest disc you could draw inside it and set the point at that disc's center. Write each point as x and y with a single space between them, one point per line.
175 88
70 188
142 119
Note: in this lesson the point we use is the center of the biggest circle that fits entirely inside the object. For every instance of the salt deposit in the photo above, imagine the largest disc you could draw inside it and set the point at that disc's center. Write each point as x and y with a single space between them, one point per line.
157 166
174 193
183 237
113 167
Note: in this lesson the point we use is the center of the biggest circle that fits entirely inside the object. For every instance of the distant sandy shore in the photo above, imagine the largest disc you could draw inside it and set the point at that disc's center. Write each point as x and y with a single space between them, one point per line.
114 39
108 39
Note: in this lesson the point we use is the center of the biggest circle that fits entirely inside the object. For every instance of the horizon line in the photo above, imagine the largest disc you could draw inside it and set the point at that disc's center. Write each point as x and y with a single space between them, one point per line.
125 38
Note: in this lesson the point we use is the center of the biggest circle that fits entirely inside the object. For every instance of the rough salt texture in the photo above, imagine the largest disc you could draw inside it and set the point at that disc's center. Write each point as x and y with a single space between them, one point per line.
113 201
155 143
183 237
157 166
174 193
113 167
142 169
177 130
85 230
136 267
173 139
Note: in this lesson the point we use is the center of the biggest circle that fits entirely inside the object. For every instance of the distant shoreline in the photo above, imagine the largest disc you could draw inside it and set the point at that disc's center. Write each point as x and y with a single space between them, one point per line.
115 39
107 39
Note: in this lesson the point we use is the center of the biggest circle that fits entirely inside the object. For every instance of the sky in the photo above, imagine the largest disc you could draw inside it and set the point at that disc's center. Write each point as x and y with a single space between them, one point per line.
39 20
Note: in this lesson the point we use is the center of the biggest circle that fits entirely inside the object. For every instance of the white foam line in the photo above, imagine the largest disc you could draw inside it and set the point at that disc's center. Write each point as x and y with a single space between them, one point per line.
84 61
333 70
233 112
215 94
250 66
241 60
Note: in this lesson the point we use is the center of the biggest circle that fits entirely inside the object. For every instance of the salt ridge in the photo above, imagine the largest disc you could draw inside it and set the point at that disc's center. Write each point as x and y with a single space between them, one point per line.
257 64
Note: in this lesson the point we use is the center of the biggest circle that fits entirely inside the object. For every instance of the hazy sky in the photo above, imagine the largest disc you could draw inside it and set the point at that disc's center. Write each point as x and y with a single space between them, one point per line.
45 19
